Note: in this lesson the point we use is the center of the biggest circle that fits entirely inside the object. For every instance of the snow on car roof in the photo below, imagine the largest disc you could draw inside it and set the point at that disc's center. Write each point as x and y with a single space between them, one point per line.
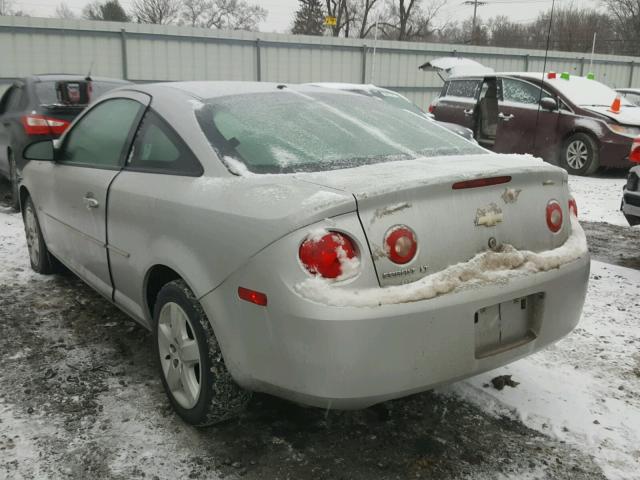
456 66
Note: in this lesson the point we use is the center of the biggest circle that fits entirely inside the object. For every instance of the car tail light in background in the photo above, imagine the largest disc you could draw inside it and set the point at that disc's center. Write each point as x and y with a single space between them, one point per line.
573 206
324 255
400 244
432 108
634 156
252 296
43 125
554 216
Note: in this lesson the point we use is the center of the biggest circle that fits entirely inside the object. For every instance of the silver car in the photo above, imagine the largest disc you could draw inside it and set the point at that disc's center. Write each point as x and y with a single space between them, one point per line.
313 244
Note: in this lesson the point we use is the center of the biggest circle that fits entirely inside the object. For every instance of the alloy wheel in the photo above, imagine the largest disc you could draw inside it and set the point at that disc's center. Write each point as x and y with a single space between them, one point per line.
179 355
577 154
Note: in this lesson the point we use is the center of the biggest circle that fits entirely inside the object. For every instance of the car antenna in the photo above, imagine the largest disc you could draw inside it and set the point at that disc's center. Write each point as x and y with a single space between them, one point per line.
544 68
88 77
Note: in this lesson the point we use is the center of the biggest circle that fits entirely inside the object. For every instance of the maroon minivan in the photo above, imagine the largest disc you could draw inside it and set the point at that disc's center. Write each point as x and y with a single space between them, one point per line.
580 125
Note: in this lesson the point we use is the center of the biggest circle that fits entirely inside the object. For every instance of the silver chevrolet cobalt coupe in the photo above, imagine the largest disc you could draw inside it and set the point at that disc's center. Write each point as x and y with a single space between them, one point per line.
317 245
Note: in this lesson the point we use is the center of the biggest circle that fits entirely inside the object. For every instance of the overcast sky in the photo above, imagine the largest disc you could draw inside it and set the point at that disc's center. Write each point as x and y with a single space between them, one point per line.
281 11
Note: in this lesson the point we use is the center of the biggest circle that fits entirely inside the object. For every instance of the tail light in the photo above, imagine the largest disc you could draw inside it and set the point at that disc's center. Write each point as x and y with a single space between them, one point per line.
400 244
573 206
554 216
481 182
43 125
432 108
327 255
634 155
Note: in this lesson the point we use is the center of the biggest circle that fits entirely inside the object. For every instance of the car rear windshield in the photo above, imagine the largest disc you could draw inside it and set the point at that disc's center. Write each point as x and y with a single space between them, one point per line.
289 131
71 92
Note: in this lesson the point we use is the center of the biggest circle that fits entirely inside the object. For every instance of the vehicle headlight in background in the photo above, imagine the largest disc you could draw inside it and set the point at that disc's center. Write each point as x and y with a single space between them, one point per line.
624 130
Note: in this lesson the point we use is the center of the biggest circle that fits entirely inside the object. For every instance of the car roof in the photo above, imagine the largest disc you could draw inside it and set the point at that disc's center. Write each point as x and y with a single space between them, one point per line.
50 77
203 90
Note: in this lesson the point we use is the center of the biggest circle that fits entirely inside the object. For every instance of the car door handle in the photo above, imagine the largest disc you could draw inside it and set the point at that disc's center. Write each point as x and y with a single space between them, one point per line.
468 113
90 202
505 118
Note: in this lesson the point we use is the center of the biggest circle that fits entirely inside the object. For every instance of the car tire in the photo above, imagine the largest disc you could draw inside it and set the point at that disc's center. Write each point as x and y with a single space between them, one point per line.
13 180
41 260
194 376
580 154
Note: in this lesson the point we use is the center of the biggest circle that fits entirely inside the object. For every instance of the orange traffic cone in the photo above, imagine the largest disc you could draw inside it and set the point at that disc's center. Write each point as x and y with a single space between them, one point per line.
615 106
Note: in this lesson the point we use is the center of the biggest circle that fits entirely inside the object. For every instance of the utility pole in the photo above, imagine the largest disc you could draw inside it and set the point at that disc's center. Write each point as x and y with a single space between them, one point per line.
475 4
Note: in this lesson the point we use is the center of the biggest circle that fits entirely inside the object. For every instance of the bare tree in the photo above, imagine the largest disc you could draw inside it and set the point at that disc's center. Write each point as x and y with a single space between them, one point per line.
411 19
363 11
7 9
63 11
159 12
108 11
626 16
226 14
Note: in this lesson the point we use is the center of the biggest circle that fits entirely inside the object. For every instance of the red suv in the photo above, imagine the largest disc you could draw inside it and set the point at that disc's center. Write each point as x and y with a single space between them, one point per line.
581 124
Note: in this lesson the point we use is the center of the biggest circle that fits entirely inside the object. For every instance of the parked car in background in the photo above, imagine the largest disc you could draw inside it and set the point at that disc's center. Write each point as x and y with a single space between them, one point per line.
309 243
573 121
631 94
394 98
631 194
39 107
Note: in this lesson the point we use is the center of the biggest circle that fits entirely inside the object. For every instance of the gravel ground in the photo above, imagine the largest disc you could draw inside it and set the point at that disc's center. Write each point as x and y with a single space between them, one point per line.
80 398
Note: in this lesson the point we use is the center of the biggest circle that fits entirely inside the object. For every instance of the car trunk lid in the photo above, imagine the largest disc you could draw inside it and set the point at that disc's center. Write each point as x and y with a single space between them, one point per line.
452 224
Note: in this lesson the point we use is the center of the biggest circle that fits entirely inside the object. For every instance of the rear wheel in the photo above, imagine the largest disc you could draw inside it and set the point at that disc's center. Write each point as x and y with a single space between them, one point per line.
194 376
580 155
41 260
13 179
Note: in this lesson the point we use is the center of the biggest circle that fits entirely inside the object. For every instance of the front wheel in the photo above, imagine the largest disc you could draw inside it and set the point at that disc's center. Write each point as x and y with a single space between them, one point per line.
194 376
580 155
41 260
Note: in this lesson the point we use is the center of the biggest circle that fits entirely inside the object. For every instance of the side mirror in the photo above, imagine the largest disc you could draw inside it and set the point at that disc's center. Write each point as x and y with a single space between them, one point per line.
548 103
41 150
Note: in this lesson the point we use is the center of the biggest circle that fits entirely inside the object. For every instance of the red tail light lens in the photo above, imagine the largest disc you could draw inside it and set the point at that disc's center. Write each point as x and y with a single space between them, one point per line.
432 108
634 155
400 244
554 216
43 125
573 206
252 296
324 256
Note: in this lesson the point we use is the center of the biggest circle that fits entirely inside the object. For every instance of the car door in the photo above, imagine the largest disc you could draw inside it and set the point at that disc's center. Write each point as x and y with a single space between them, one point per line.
522 126
458 103
89 158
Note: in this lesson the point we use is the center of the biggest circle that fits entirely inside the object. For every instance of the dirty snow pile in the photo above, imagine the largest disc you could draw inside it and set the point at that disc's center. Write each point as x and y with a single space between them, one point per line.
485 267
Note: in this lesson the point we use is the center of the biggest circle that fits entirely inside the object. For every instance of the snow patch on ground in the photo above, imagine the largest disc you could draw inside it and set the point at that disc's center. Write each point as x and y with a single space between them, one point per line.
584 390
598 199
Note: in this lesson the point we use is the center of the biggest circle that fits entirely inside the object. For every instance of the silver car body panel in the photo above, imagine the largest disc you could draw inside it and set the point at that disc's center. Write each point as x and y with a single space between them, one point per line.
220 231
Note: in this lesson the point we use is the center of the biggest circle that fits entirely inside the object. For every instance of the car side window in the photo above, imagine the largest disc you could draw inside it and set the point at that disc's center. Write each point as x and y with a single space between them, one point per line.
462 88
100 137
633 97
159 149
518 91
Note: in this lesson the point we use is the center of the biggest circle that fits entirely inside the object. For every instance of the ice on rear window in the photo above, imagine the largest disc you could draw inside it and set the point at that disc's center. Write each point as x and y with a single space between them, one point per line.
289 131
71 92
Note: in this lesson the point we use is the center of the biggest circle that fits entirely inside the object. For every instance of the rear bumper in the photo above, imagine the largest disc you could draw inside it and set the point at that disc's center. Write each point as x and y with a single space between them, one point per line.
350 357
